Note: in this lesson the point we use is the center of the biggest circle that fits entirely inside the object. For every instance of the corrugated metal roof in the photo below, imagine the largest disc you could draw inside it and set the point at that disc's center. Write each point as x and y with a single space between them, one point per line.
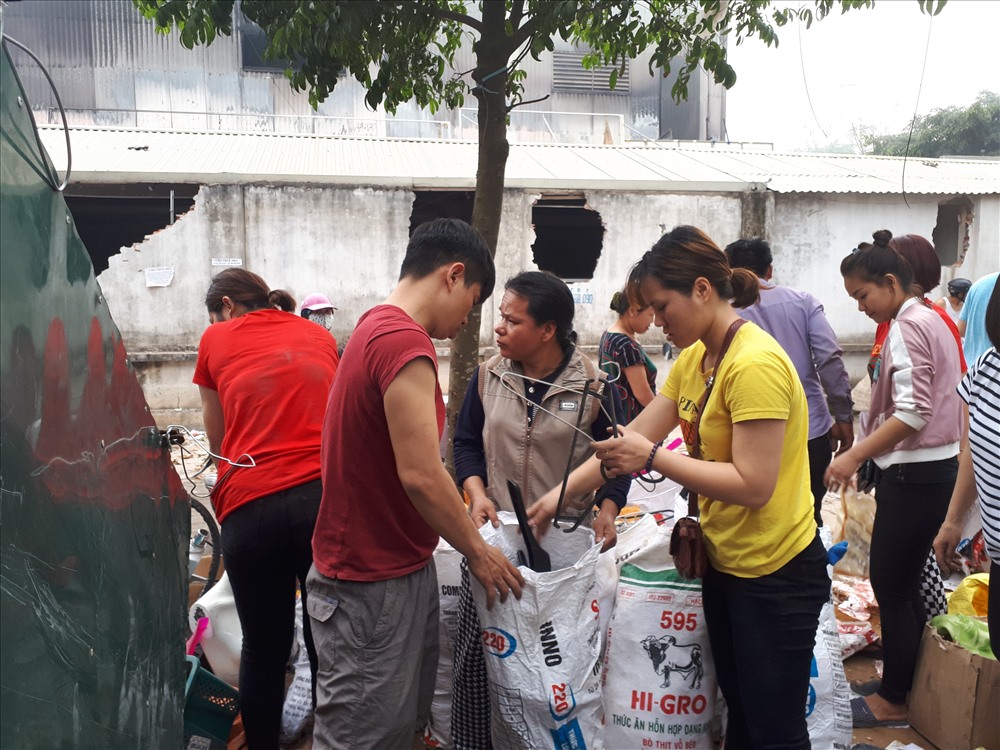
128 155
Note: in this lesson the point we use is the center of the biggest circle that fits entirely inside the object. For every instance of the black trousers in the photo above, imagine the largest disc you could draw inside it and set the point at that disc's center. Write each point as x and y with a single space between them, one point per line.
820 455
762 632
267 548
911 501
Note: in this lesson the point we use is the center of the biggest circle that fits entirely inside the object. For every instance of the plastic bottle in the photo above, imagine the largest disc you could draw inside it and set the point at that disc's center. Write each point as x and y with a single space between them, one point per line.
196 550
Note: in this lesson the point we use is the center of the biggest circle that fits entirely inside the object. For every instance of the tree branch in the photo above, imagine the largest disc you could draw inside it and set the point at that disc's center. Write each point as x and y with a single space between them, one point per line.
530 101
450 15
523 33
516 14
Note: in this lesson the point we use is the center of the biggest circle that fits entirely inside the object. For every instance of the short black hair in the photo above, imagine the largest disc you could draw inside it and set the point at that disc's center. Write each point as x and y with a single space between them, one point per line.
754 254
549 299
442 241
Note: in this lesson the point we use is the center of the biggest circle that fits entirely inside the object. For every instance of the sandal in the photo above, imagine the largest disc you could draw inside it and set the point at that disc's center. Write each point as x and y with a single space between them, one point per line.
863 718
866 688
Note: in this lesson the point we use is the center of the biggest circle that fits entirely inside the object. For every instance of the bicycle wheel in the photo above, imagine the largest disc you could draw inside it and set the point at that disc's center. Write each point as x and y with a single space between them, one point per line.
214 541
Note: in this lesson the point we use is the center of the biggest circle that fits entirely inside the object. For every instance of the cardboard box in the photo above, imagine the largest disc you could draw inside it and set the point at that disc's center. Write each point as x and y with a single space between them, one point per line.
955 698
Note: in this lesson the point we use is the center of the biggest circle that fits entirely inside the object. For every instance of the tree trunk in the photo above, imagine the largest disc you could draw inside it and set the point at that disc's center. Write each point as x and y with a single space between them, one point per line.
492 55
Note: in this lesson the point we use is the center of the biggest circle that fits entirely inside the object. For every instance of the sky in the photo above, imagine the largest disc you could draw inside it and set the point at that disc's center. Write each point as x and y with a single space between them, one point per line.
862 69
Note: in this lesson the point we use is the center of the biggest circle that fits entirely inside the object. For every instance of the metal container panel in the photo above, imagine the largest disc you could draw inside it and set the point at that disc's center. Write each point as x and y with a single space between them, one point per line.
95 523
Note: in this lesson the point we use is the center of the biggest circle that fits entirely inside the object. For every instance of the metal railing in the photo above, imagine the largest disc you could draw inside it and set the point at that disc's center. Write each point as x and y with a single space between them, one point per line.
526 126
253 122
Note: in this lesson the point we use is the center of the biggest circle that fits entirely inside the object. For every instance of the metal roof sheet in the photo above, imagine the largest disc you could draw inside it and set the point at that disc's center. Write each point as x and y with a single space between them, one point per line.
132 155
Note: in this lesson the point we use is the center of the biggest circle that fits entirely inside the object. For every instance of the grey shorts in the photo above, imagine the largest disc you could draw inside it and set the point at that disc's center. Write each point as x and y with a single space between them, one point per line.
377 644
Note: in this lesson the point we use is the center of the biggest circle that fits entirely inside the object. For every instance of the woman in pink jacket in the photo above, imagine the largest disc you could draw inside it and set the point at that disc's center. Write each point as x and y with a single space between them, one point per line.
912 431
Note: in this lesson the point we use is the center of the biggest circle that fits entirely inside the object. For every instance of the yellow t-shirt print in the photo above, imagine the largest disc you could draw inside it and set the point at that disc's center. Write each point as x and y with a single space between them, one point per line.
756 380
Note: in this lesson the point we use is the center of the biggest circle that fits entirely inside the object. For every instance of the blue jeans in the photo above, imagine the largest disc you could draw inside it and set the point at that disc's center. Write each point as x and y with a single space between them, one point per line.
762 632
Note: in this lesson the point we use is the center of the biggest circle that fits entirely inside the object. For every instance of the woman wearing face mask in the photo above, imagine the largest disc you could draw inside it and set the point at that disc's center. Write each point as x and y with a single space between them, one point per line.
264 376
623 358
912 431
766 580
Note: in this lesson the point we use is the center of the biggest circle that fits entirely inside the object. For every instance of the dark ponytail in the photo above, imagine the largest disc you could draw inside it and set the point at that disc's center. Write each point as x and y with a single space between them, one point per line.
248 289
681 257
281 300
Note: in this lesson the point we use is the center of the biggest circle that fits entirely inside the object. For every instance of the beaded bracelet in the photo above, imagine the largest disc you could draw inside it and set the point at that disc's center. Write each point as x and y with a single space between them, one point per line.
652 455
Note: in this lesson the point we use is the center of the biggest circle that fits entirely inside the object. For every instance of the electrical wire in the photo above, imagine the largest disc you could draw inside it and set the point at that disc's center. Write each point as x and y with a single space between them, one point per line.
916 106
190 479
805 82
235 464
62 112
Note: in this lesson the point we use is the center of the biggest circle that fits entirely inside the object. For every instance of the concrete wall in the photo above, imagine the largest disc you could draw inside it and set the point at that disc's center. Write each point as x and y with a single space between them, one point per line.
813 232
349 244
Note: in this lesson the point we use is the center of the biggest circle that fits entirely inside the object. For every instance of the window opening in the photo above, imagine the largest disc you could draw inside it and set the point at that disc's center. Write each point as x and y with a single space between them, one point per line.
569 237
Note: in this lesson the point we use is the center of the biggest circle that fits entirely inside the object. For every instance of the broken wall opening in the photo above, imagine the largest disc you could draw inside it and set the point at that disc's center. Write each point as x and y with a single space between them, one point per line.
110 217
569 236
441 204
951 231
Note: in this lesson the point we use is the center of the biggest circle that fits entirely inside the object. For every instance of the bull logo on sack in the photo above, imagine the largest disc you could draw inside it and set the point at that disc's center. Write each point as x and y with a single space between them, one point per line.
669 656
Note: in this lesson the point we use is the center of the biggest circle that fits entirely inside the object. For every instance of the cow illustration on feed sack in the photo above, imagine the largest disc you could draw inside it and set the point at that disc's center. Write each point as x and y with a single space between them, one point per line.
667 656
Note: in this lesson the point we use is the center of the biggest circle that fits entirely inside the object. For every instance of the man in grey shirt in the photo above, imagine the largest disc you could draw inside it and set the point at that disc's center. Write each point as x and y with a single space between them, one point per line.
796 320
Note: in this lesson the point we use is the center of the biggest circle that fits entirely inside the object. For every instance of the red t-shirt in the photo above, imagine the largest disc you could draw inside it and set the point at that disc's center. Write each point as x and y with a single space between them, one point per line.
883 330
368 528
273 371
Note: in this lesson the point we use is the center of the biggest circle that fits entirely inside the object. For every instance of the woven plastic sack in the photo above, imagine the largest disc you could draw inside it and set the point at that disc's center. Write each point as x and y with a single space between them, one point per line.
448 562
659 678
828 702
543 651
297 710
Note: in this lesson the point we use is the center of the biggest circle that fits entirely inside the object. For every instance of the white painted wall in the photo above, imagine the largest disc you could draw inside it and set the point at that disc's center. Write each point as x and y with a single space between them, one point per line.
349 243
813 232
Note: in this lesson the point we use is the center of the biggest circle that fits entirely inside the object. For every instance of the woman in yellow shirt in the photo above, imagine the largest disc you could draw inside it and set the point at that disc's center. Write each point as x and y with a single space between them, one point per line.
767 578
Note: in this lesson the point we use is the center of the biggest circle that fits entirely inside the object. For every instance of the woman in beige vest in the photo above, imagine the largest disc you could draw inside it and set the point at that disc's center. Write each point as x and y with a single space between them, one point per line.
517 423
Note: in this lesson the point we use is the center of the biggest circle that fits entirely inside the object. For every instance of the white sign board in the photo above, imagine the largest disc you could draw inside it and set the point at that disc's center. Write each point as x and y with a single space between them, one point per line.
227 261
159 275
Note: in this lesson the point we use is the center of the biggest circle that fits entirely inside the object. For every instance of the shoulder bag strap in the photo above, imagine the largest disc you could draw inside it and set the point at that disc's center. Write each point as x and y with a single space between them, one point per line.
692 497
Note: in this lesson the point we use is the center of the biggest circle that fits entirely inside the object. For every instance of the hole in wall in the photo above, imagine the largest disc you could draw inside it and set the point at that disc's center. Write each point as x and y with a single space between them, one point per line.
569 236
951 231
110 217
441 204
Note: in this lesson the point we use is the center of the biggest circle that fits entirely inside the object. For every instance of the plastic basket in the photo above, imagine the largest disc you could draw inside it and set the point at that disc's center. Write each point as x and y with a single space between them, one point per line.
210 705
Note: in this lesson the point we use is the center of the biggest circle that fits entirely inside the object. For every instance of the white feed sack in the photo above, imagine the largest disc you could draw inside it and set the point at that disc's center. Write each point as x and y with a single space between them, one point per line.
543 651
659 679
828 703
448 562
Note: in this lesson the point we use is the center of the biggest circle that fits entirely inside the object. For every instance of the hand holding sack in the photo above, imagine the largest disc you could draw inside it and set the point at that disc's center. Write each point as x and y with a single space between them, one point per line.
543 651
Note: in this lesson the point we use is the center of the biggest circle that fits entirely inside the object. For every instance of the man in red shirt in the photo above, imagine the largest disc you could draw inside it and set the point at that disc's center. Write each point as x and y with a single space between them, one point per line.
386 497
